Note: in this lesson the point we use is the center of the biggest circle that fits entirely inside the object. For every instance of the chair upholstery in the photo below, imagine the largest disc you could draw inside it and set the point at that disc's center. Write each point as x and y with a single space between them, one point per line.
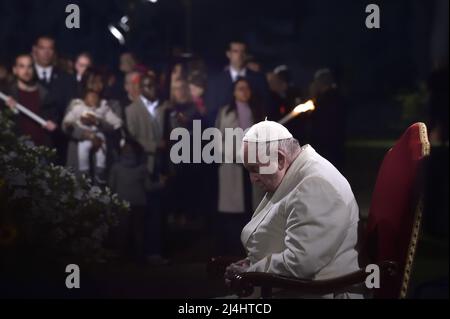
395 214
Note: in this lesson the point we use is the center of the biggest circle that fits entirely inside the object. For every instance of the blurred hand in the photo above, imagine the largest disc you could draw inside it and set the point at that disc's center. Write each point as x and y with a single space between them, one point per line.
88 120
182 119
50 126
11 103
234 269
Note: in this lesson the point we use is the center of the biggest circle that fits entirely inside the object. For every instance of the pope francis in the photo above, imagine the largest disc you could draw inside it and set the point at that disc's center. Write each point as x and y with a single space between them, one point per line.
306 224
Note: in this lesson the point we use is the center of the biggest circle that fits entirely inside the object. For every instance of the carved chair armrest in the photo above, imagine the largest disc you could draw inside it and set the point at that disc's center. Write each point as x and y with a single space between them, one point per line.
243 284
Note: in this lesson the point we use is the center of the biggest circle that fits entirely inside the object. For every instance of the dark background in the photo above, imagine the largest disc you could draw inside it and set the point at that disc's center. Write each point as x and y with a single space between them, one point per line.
372 66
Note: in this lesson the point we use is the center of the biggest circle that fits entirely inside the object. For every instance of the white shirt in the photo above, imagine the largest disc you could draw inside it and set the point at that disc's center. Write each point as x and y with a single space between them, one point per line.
44 73
235 73
151 108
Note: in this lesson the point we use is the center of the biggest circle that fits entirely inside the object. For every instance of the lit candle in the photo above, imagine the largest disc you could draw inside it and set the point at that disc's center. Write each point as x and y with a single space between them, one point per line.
301 108
25 111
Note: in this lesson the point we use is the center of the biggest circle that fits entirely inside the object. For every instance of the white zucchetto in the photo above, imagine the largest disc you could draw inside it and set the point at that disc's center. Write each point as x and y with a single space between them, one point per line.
266 131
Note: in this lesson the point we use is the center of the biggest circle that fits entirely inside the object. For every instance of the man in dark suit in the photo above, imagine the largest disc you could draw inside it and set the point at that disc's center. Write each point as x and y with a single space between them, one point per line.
219 91
60 86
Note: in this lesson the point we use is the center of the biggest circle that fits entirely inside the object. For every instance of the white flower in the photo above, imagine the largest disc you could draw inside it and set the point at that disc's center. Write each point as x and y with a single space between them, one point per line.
95 191
105 199
44 186
78 195
63 173
28 144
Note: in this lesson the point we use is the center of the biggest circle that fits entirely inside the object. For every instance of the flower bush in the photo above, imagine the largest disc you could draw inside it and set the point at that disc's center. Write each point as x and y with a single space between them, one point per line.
45 208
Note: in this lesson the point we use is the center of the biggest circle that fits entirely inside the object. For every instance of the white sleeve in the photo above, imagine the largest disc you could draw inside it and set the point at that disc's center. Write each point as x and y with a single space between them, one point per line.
316 226
112 119
73 113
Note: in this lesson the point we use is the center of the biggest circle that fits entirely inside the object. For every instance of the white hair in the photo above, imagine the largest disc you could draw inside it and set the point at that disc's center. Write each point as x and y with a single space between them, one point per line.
289 147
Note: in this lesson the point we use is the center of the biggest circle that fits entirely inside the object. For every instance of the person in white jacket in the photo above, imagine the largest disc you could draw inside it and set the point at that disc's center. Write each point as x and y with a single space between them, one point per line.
306 225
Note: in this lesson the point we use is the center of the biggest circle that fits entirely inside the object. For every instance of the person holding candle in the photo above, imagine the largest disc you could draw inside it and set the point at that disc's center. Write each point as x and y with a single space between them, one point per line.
27 91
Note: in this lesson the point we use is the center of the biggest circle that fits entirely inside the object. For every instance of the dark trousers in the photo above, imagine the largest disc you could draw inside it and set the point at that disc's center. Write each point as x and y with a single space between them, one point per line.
153 224
131 232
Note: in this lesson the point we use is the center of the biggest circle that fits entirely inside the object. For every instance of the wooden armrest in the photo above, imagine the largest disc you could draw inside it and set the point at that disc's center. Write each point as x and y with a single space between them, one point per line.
243 284
216 266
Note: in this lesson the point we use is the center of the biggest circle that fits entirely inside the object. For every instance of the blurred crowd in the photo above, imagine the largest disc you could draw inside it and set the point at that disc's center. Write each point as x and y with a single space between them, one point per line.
113 126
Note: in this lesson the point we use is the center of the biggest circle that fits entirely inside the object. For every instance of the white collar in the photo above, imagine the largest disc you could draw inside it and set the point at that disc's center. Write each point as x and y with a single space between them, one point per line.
48 71
287 184
151 106
235 73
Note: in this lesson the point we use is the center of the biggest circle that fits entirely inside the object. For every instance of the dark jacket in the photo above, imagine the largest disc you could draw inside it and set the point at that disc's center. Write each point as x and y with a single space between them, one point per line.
219 92
61 90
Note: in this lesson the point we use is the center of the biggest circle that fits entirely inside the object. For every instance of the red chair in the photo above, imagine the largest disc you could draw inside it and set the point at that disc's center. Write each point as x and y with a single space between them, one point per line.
395 214
391 234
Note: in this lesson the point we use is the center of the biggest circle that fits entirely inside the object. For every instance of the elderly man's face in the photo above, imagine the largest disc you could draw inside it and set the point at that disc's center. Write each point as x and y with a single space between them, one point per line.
267 182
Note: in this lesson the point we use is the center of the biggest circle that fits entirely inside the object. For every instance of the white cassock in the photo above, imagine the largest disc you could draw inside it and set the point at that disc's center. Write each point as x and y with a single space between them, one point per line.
308 227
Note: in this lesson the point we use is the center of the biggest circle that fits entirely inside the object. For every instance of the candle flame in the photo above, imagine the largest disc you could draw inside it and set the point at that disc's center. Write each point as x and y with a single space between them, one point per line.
301 108
304 107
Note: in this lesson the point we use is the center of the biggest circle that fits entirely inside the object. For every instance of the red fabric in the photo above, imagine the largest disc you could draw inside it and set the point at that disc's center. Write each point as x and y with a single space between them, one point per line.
32 101
392 207
199 104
